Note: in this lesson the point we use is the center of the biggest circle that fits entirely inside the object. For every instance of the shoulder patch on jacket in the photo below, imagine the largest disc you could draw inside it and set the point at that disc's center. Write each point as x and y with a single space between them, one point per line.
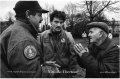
30 52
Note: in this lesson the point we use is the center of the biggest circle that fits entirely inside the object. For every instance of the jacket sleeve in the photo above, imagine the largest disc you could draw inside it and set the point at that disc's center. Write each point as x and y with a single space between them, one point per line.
90 63
22 65
74 65
73 62
107 66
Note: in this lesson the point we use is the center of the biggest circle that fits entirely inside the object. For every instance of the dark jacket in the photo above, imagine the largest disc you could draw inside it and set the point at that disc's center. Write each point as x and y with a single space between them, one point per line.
59 48
102 61
20 52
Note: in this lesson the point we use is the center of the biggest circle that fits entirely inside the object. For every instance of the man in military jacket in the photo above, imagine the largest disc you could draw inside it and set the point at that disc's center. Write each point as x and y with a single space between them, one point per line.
57 46
21 54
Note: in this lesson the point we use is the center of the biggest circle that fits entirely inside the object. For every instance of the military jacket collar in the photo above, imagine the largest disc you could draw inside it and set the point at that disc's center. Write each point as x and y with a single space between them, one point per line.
25 24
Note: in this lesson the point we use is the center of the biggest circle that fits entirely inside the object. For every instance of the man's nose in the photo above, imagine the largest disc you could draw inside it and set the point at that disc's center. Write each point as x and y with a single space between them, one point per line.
58 24
89 35
41 19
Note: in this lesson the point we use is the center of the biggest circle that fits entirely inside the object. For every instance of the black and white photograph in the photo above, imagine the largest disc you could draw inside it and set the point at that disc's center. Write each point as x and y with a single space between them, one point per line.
59 39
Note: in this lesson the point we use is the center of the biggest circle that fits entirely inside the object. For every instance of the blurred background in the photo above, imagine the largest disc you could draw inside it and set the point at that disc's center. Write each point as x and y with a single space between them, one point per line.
79 13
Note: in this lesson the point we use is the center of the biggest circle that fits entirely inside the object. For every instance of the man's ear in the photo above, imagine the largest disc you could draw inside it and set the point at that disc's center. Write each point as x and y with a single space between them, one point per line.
101 33
27 14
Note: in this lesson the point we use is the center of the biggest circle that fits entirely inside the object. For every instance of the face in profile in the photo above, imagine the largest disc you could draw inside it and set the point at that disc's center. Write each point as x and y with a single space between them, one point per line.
57 24
36 19
94 34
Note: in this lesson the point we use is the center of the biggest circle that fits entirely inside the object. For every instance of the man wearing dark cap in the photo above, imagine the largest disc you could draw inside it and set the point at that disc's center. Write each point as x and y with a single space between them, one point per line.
101 58
21 54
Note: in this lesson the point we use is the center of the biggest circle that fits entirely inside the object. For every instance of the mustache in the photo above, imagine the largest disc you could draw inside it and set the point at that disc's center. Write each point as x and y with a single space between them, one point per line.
58 27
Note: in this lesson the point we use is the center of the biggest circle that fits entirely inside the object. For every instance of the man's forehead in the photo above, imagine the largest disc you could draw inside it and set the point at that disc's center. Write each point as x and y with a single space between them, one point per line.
57 19
95 29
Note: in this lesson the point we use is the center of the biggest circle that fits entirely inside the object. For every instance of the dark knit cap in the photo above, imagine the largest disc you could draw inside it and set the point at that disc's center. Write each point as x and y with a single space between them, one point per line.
22 6
100 25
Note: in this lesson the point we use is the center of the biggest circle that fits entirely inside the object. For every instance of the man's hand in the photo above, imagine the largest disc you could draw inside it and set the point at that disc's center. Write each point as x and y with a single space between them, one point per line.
80 49
50 68
53 63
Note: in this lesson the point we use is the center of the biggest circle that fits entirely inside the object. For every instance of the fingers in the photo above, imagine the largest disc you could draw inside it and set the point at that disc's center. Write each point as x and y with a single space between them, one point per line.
86 49
82 48
50 62
53 63
78 47
57 65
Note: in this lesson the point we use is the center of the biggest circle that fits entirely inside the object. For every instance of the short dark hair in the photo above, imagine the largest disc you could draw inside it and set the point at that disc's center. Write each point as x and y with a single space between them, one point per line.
58 14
